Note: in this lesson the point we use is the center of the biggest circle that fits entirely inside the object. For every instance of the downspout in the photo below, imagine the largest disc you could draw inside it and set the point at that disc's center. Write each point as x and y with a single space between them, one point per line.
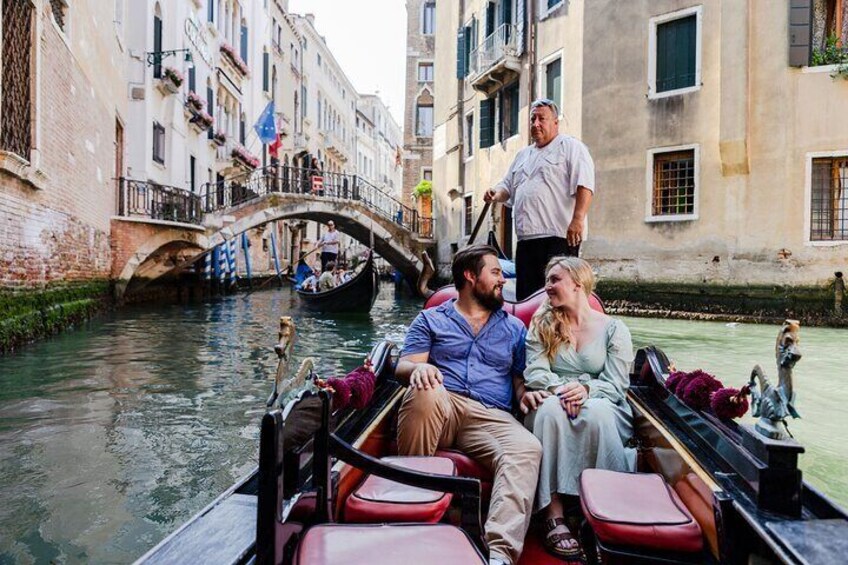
460 111
532 50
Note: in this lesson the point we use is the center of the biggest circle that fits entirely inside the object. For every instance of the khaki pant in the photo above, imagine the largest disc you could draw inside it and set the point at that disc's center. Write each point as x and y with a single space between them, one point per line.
435 418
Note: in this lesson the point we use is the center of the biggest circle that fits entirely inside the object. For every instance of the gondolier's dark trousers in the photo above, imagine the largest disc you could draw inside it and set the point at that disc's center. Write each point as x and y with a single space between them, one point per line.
531 257
326 257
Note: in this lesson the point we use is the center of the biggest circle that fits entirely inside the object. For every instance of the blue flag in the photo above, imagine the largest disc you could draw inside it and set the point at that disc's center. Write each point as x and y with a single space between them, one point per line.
265 126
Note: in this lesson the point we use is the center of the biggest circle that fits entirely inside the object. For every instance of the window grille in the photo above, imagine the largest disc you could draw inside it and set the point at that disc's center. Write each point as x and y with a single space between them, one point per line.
829 200
674 183
16 105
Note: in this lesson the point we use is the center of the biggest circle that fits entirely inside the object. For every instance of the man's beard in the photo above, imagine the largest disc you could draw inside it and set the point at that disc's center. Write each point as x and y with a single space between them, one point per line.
488 300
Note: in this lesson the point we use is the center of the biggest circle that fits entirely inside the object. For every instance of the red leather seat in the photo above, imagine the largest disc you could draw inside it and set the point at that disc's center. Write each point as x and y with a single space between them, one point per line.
381 500
637 510
409 544
468 467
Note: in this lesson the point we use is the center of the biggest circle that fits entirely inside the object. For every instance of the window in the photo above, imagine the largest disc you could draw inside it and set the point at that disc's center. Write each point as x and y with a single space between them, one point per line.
319 59
487 123
467 214
425 72
265 71
192 173
210 133
675 53
428 18
244 48
427 174
469 135
159 143
192 79
15 74
157 44
424 121
210 10
509 111
552 77
674 183
242 129
60 13
829 199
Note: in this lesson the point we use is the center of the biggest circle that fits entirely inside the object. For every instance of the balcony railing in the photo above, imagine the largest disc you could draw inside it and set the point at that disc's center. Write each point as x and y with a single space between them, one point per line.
293 180
494 48
143 199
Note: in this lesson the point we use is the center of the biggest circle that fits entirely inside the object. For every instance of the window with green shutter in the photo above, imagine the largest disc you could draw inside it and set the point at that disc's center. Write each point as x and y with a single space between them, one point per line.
509 111
676 54
553 81
487 123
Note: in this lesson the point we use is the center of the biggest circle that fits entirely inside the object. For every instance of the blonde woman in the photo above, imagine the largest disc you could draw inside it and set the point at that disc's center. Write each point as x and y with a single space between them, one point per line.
576 377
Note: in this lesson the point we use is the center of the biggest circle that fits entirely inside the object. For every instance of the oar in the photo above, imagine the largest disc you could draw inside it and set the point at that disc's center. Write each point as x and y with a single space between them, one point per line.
479 223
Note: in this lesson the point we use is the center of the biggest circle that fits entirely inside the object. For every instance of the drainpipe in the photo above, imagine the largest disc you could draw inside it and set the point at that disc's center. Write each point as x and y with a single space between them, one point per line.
460 111
532 50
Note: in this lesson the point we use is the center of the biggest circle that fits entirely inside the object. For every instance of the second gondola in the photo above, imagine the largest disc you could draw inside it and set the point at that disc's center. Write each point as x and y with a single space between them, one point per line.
356 295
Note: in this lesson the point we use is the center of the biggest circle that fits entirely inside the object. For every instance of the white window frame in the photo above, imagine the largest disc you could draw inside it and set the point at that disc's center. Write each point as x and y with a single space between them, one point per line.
545 12
649 185
423 10
418 70
543 77
468 140
652 51
808 196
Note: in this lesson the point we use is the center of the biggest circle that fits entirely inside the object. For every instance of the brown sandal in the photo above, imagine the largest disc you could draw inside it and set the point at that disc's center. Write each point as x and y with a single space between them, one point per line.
573 554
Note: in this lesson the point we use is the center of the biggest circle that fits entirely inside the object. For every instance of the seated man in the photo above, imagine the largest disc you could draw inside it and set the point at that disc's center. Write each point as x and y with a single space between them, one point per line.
327 280
310 283
459 360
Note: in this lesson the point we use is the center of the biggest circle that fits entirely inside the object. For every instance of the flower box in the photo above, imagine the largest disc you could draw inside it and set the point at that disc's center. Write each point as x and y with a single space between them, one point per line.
194 102
171 81
202 120
243 157
219 139
235 60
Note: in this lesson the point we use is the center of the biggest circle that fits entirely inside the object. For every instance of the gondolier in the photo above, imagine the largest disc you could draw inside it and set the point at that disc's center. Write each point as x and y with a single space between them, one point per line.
329 244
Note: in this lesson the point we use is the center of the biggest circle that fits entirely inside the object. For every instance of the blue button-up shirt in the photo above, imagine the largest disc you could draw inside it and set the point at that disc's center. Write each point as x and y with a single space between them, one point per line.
480 367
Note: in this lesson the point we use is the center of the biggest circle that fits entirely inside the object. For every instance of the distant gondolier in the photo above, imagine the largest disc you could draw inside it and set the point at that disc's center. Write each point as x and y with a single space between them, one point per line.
550 186
329 244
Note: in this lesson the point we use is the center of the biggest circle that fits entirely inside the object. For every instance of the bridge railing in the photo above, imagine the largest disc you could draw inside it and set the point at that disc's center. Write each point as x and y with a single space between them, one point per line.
284 179
145 199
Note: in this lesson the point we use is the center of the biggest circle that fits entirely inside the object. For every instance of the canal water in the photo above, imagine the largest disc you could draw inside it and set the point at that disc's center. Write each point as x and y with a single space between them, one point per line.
113 434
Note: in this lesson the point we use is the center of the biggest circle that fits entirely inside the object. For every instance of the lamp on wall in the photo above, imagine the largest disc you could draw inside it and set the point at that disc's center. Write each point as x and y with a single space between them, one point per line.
155 57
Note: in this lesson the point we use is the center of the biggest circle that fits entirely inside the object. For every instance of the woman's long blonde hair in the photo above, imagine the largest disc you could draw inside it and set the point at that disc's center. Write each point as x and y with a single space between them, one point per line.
551 325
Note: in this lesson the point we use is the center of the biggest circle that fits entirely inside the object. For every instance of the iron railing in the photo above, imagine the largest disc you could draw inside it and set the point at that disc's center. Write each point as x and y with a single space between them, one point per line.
494 48
322 184
144 199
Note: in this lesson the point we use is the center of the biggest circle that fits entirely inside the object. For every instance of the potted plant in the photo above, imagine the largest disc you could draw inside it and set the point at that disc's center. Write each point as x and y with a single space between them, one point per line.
234 58
243 157
202 120
219 138
194 102
423 192
171 80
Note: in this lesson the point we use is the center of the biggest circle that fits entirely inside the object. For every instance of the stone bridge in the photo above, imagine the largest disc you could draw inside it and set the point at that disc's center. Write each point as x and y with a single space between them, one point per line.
146 246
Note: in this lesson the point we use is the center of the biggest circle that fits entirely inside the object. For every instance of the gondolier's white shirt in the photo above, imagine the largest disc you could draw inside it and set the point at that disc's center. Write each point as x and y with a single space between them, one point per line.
331 242
542 186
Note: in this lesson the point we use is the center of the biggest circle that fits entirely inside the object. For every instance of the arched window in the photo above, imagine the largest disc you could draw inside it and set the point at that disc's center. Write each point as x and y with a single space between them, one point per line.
157 41
428 18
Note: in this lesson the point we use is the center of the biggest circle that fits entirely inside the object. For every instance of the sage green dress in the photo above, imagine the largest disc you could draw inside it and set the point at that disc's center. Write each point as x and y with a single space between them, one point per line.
596 438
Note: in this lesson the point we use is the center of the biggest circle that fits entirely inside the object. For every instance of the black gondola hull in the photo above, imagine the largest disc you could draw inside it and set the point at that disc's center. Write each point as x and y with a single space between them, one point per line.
356 295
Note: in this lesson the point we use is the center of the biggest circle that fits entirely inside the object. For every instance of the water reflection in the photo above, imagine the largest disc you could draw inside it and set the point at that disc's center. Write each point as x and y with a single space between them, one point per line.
113 434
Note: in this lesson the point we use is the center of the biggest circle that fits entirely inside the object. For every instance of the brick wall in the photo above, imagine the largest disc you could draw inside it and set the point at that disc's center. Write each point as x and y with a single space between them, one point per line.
59 232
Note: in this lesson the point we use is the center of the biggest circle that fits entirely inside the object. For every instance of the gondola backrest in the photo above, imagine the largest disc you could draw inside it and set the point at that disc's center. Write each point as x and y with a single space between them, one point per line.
523 310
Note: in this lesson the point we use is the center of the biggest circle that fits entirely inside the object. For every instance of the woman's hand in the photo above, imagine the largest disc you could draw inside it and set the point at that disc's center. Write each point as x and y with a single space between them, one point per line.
571 397
532 399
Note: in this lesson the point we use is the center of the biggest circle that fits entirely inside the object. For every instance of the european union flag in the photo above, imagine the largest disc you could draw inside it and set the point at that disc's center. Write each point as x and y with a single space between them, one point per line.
265 126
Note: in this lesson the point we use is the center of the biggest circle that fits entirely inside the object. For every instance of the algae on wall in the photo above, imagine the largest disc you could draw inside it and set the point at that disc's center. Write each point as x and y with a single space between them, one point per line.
27 315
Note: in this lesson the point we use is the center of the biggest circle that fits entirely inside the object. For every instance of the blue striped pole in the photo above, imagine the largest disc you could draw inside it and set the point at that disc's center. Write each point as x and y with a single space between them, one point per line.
245 247
274 252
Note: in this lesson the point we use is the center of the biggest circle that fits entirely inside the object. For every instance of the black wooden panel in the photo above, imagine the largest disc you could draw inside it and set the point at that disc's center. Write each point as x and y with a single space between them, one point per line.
800 32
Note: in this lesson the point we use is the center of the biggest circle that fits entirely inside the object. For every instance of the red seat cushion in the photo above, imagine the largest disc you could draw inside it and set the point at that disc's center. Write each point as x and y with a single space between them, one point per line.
382 500
408 544
637 509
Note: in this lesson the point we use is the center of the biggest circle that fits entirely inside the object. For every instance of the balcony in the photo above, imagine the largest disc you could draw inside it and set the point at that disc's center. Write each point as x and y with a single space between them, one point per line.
495 61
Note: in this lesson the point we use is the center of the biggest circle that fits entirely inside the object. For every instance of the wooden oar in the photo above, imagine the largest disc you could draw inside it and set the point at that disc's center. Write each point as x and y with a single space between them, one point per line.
479 223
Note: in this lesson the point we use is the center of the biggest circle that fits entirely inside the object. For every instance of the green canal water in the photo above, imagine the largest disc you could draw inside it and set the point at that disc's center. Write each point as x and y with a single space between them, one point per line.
115 433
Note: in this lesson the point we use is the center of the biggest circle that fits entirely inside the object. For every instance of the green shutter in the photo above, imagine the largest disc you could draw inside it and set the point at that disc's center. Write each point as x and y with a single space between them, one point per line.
487 123
513 93
265 65
461 54
469 42
676 44
491 16
157 46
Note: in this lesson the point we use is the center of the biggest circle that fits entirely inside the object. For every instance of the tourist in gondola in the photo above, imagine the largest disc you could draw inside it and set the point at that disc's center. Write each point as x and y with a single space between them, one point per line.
327 280
329 244
460 360
577 369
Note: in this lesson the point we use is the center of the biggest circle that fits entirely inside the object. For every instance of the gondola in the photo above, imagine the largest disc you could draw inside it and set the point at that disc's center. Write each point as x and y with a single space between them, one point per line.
356 295
316 495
